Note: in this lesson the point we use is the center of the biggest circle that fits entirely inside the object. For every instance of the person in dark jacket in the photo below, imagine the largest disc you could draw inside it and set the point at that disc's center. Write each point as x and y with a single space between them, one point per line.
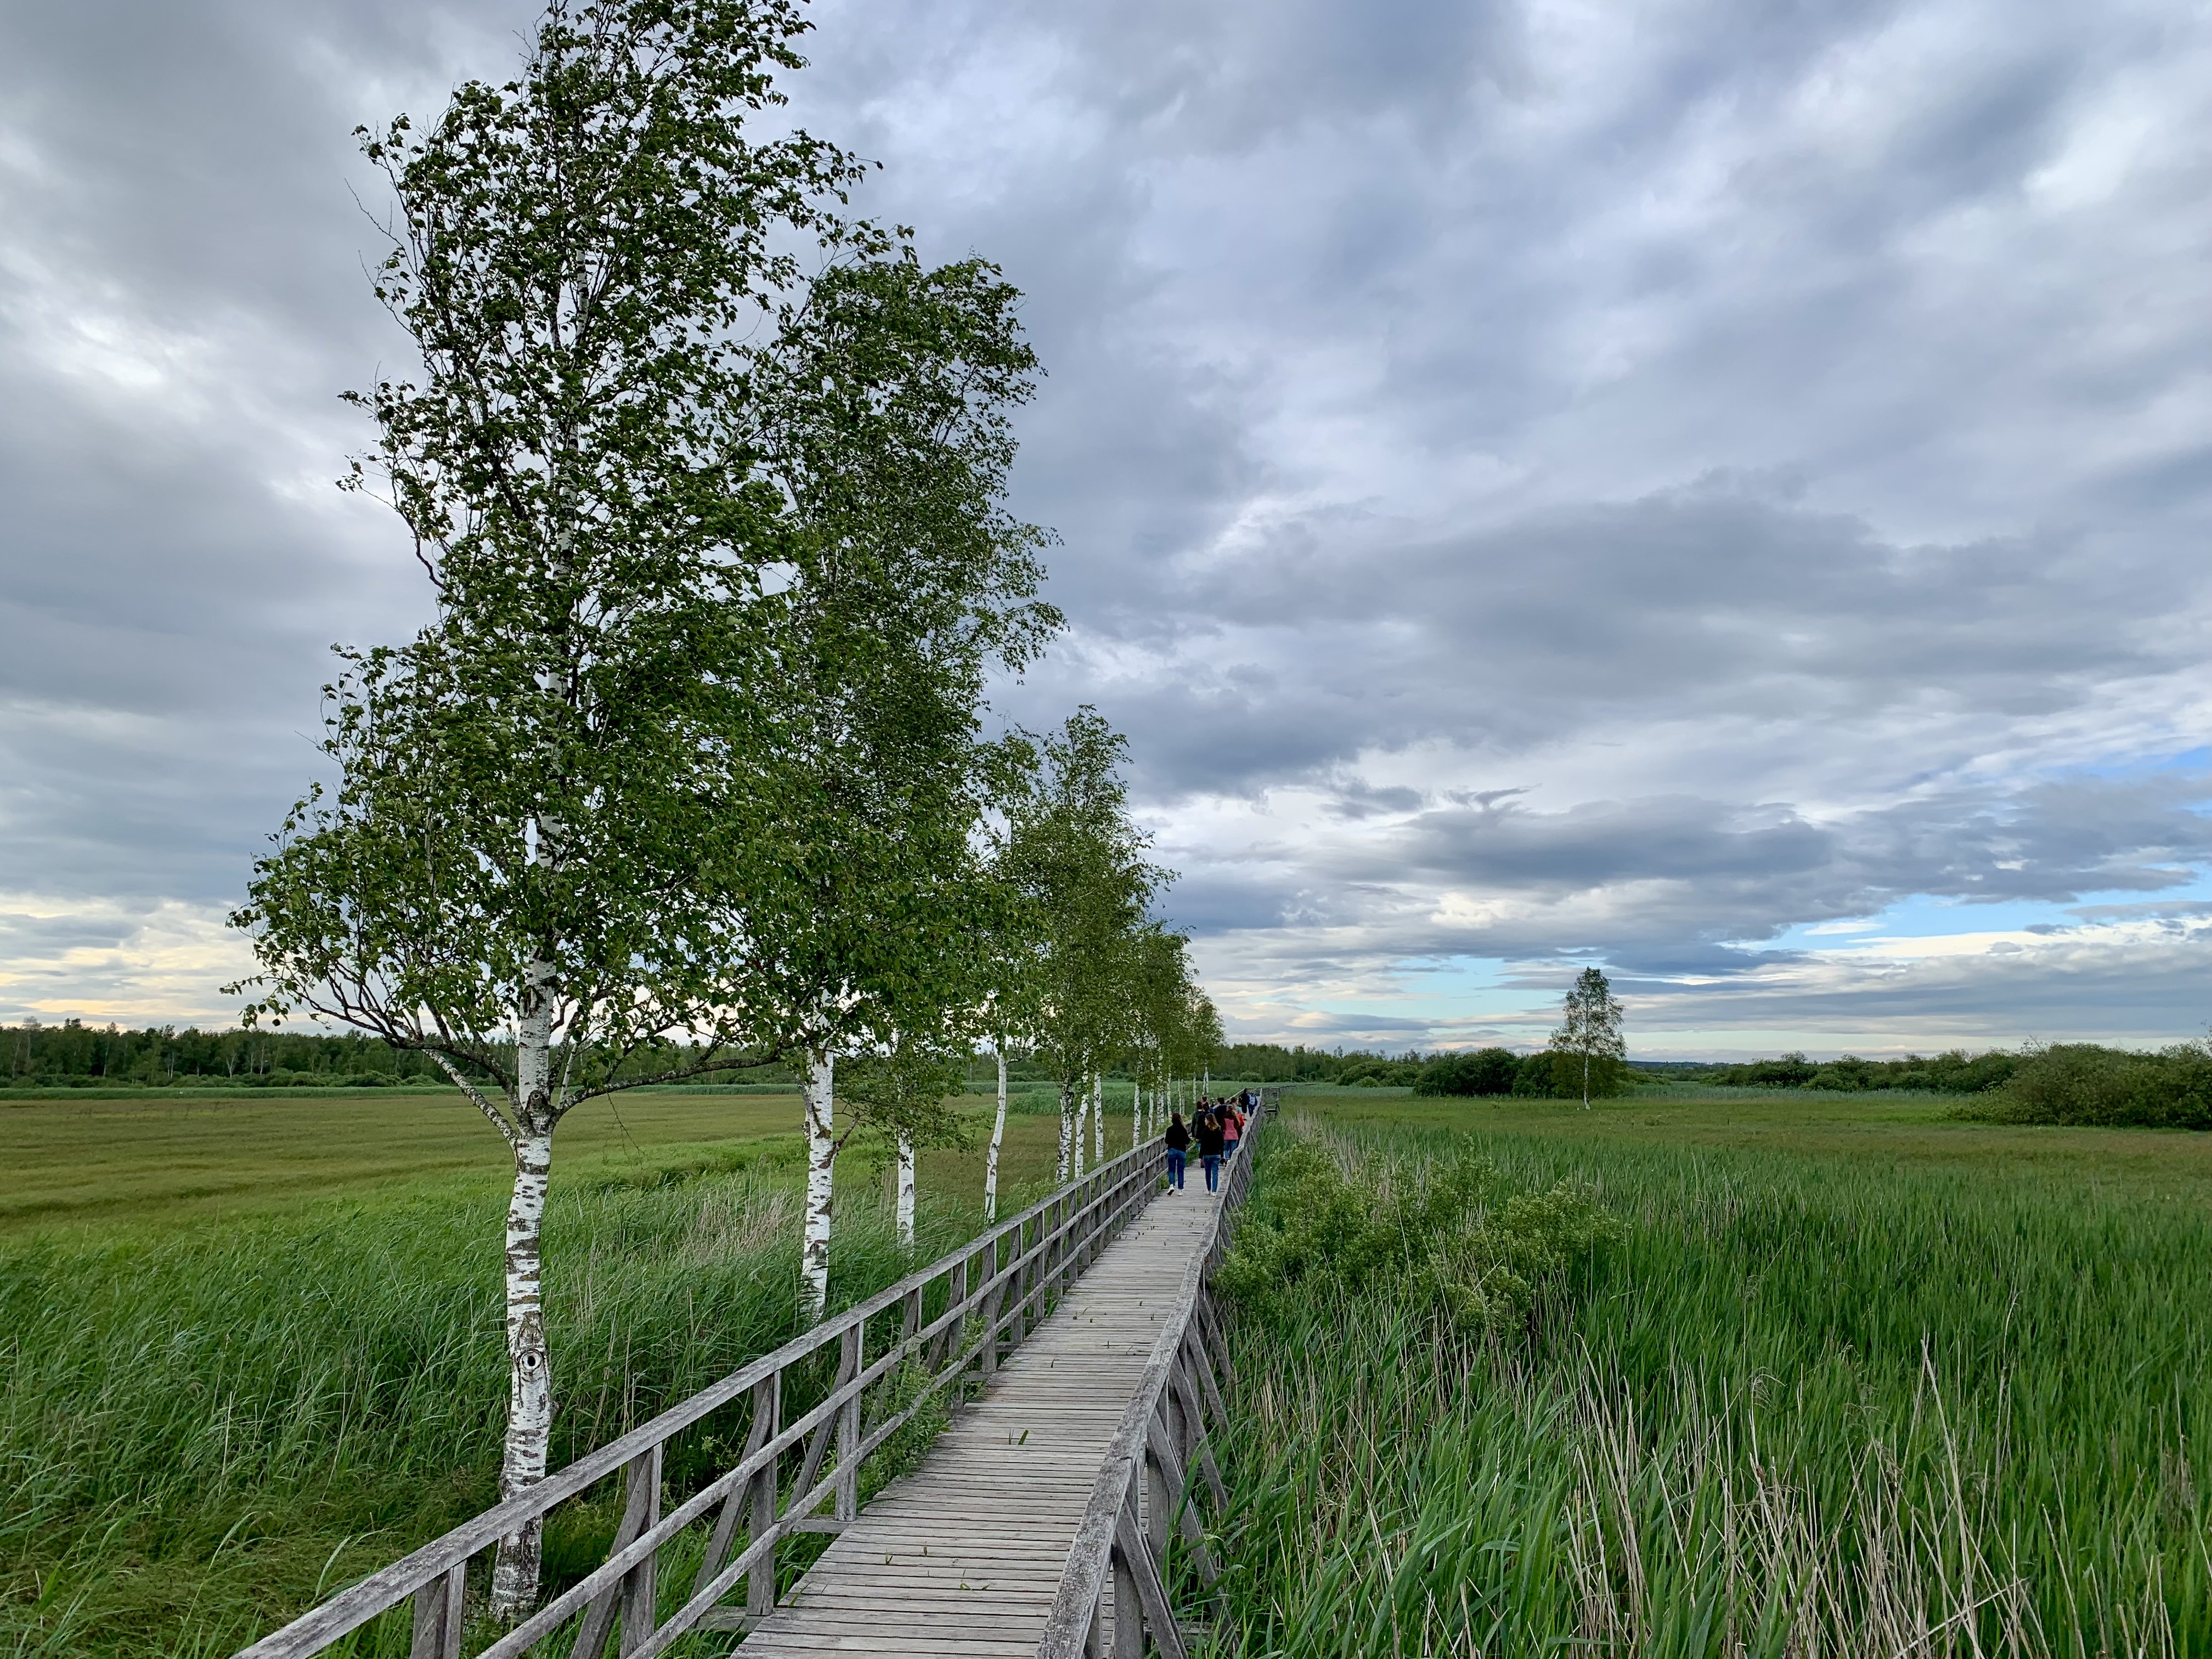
1208 1129
1178 1141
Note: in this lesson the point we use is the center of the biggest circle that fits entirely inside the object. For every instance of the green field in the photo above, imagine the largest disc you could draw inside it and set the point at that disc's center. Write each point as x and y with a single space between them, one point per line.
250 1347
1858 1379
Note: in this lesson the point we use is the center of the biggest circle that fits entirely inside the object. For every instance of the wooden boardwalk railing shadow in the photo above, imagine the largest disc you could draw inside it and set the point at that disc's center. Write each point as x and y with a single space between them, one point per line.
1079 1354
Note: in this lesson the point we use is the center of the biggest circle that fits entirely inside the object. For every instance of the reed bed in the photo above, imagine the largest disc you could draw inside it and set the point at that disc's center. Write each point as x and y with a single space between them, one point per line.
1804 1405
203 1430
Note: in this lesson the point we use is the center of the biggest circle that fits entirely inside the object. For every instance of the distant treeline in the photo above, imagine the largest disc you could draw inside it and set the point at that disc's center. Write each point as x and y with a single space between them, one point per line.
2065 1083
74 1055
2076 1083
1481 1072
1541 1076
1953 1072
1271 1062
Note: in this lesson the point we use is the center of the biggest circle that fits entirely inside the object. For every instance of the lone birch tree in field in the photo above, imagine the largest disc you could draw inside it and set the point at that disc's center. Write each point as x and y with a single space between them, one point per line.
572 814
1589 1037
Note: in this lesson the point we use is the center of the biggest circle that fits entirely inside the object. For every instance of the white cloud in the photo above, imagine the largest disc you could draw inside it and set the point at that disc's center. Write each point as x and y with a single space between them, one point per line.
66 957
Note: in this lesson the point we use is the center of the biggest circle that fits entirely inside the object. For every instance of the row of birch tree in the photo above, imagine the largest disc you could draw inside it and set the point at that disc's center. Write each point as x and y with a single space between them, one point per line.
690 766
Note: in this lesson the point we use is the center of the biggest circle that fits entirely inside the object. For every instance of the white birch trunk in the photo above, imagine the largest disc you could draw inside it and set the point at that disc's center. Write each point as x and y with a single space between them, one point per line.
821 1161
998 1137
1081 1127
1099 1118
905 1191
530 1371
1136 1115
1066 1136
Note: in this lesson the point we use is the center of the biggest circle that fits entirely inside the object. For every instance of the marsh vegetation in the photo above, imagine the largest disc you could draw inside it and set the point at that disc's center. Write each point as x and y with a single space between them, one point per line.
1847 1382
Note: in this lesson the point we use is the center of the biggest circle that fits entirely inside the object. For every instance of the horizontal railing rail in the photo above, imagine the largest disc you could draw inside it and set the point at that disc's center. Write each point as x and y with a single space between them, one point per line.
1144 1493
956 1320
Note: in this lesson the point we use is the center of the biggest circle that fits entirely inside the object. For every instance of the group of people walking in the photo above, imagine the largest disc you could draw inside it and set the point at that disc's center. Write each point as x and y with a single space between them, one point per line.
1217 1126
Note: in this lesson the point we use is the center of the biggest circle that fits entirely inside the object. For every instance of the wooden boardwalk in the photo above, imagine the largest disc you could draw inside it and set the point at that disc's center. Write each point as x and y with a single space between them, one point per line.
964 1556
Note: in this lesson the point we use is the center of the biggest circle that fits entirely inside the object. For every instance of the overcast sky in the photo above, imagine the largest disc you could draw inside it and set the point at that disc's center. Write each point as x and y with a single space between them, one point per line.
1716 489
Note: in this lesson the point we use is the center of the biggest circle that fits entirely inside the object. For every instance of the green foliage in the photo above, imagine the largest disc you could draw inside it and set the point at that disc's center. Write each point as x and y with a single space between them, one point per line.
2084 1083
902 1448
2056 1083
57 1055
905 1093
1447 1235
1535 1076
1587 1048
1954 1073
1592 1077
1477 1072
1090 979
1271 1062
1374 1072
1173 1029
720 566
1814 1402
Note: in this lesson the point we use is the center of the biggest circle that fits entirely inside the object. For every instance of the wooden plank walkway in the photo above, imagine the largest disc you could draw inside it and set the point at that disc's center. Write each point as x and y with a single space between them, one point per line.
964 1557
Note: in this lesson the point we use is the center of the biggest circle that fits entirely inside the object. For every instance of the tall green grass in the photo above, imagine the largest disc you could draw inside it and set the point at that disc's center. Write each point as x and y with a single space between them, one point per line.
1808 1406
201 1431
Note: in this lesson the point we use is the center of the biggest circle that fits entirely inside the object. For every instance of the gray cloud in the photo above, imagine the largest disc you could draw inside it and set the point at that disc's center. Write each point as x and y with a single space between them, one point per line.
1532 485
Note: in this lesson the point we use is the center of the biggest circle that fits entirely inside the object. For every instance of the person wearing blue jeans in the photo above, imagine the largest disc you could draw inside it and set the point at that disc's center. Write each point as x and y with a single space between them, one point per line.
1208 1125
1178 1141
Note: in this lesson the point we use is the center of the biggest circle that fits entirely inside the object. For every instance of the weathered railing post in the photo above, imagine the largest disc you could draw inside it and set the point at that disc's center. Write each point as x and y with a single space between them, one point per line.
641 1589
760 1583
848 1429
440 1607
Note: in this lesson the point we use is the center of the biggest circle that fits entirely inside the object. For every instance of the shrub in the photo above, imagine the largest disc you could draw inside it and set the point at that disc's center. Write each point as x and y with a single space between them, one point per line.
1483 1072
1605 1077
1532 1077
2083 1083
1446 1235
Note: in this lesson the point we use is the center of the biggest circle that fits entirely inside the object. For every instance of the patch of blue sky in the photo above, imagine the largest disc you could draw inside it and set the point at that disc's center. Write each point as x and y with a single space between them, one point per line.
1455 990
1925 916
2198 759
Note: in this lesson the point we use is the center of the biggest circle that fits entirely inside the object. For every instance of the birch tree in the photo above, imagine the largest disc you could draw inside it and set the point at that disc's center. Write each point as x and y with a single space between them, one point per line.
1074 852
998 1129
1166 1022
1017 936
908 586
1589 1036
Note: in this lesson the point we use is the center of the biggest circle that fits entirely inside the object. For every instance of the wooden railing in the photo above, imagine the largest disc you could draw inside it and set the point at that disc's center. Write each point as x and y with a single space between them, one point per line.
861 1374
1144 1491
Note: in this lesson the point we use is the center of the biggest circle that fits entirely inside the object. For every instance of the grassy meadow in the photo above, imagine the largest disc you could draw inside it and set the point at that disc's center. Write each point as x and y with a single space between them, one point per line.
1858 1379
250 1347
